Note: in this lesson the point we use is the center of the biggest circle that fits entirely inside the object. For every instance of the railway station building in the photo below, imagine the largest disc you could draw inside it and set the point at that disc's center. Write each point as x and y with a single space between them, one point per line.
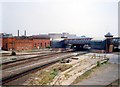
103 45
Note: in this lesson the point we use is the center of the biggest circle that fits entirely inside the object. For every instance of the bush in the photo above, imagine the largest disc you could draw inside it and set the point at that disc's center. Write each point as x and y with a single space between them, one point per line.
107 59
13 53
98 63
53 73
48 47
13 59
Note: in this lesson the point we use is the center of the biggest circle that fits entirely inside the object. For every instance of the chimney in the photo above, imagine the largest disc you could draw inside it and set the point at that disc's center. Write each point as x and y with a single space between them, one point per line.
25 32
18 33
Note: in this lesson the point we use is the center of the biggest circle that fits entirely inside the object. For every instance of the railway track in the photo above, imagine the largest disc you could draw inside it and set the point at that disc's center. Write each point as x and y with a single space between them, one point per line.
25 72
18 73
29 53
39 55
11 78
31 59
23 61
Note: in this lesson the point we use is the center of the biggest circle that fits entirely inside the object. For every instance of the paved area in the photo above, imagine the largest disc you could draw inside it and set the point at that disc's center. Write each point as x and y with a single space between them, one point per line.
105 74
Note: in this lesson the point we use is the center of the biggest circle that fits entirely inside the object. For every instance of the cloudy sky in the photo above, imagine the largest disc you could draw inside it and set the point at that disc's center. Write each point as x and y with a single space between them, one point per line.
92 18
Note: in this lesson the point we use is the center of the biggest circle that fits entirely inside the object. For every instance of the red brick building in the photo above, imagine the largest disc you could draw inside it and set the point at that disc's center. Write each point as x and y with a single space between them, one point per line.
25 43
40 41
7 43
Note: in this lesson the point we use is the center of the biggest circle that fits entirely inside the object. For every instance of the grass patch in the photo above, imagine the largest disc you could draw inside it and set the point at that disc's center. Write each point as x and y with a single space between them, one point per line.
46 76
43 78
83 76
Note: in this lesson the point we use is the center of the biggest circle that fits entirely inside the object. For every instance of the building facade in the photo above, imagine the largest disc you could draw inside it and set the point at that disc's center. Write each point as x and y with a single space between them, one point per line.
25 43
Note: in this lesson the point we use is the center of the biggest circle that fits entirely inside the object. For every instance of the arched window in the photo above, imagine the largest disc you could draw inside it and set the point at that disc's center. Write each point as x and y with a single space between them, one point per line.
41 45
6 45
34 44
45 44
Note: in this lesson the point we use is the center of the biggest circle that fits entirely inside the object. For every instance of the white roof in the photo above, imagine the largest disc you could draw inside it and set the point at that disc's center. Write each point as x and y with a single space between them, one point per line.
98 38
58 39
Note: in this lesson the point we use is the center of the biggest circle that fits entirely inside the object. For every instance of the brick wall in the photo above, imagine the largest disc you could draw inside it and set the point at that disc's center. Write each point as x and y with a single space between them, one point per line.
24 44
40 43
8 43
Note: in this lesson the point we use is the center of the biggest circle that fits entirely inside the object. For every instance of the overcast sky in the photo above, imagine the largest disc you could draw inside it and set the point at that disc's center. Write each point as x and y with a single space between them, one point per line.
92 18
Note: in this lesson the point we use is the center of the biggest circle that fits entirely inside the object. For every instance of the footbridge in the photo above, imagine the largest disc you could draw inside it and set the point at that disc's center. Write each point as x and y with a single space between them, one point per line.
78 43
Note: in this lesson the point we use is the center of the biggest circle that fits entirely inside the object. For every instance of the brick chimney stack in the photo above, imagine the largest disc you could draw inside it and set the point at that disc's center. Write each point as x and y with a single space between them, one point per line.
18 33
25 32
